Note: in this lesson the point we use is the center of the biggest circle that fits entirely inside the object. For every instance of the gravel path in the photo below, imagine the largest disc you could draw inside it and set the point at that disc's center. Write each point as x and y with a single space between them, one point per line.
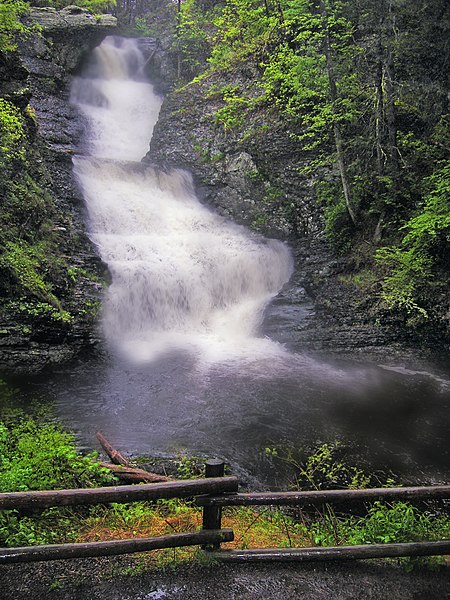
120 579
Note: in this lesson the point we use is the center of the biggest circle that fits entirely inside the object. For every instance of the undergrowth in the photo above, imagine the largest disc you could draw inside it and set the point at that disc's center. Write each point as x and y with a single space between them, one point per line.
39 455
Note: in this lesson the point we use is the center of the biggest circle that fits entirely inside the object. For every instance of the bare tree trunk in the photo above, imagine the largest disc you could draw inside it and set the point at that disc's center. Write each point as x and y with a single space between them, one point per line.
379 122
379 111
336 129
178 39
390 164
390 116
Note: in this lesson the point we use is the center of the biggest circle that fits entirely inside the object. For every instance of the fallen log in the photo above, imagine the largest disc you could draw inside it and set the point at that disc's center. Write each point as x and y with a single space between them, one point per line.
117 457
132 474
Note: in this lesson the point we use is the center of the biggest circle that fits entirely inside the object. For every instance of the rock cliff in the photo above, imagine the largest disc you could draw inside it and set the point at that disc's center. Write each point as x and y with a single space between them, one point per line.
251 173
36 331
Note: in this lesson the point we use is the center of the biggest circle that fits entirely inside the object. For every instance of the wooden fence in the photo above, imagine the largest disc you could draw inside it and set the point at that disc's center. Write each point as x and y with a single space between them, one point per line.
212 494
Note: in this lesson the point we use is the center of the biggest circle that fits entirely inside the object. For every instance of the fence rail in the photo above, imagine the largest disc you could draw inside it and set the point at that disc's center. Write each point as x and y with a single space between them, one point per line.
213 493
335 552
121 494
114 547
315 498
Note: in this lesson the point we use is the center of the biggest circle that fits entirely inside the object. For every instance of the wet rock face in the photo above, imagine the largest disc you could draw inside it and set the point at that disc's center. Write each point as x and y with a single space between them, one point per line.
69 19
39 74
71 32
251 174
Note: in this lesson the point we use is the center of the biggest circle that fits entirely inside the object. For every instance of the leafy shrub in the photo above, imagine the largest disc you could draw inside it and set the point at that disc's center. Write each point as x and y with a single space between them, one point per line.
37 456
40 456
423 252
326 467
384 523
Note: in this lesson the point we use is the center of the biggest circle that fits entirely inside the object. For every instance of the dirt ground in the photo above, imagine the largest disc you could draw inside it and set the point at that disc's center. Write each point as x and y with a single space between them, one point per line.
122 579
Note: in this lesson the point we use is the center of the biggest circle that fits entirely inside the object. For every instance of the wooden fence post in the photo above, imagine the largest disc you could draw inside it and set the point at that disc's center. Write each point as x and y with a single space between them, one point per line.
212 515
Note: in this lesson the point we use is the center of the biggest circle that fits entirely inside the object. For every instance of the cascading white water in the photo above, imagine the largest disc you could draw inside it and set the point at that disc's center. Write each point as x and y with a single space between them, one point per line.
182 277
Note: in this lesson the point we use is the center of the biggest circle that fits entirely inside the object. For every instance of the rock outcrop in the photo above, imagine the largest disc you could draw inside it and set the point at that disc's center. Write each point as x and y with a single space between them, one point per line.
251 173
38 74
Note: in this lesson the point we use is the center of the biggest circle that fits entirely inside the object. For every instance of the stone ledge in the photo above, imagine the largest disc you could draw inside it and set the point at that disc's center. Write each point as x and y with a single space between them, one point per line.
76 17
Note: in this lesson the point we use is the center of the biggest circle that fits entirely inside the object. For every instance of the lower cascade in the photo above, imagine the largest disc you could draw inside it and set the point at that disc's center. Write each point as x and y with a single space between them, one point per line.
182 276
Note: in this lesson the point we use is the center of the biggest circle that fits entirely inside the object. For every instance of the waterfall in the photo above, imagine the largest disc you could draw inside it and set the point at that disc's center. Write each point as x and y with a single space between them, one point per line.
182 276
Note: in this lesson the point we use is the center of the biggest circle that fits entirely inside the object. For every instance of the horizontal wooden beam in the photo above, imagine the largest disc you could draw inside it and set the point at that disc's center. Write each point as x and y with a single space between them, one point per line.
122 494
335 553
112 548
320 497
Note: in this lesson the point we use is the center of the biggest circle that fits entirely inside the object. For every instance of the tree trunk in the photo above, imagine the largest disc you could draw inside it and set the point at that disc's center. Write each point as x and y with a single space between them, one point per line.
134 475
336 129
117 457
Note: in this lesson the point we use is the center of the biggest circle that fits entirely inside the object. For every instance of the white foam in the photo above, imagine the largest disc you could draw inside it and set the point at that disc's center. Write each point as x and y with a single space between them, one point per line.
182 277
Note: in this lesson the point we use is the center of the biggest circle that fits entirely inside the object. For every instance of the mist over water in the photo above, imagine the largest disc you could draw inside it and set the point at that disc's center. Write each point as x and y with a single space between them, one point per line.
182 277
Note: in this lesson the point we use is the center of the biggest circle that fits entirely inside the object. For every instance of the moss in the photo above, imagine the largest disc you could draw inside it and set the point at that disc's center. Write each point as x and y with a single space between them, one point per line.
12 135
24 263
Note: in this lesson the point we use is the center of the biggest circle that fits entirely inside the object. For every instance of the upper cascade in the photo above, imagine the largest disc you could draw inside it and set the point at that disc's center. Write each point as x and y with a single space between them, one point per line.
118 58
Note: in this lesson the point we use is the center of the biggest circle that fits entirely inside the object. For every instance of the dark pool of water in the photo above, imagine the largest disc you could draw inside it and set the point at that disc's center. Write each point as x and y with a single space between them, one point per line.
396 421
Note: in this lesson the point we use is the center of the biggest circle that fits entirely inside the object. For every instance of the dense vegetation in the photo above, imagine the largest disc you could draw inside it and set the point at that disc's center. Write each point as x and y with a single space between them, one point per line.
363 89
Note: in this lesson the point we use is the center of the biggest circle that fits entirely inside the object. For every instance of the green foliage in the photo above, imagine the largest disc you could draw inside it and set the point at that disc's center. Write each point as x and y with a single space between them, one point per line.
423 254
24 262
39 456
11 25
141 26
42 456
243 30
431 227
381 523
232 115
326 468
338 227
193 37
12 135
41 311
120 515
384 523
188 467
25 209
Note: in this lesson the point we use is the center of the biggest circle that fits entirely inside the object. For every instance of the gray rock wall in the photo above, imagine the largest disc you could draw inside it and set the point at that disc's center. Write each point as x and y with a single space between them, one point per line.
251 174
39 74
